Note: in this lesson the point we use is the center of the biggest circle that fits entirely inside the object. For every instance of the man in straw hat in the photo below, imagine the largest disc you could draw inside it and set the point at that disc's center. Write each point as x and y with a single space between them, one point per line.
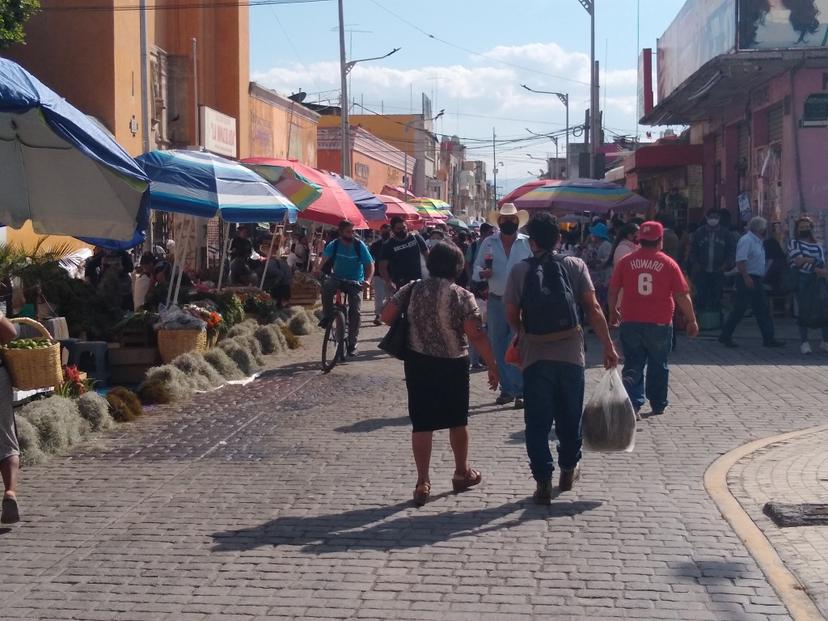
497 256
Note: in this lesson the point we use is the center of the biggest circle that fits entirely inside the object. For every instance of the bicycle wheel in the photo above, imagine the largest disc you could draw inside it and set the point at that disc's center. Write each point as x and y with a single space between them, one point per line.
334 342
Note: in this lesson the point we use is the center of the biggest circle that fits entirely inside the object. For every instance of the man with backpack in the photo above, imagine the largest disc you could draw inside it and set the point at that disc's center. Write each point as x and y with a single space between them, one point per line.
651 285
349 263
542 298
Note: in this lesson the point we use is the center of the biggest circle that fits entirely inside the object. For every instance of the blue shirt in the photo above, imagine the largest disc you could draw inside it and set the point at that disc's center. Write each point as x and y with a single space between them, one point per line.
351 259
501 264
751 250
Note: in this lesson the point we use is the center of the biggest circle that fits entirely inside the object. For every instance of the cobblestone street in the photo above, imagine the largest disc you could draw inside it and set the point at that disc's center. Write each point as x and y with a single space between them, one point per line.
290 498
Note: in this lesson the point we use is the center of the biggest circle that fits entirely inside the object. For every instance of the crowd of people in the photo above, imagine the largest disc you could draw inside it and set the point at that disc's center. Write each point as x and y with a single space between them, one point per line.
514 297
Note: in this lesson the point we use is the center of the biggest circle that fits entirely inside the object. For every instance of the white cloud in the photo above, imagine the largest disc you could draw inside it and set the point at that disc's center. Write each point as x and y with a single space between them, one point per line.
477 95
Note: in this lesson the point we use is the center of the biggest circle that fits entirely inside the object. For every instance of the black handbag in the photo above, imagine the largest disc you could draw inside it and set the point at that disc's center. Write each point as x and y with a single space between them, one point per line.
395 342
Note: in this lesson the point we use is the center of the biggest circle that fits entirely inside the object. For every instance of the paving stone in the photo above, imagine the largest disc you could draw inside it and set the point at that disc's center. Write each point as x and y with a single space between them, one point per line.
290 498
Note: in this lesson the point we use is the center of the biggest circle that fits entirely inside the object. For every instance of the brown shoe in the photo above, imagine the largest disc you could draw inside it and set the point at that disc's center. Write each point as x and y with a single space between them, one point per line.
422 493
11 512
470 479
568 478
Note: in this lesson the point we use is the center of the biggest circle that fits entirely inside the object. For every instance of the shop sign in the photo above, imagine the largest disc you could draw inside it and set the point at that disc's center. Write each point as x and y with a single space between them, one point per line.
218 132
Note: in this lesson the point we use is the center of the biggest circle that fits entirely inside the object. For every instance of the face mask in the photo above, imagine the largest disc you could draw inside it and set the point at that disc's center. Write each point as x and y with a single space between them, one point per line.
713 221
401 234
509 228
805 233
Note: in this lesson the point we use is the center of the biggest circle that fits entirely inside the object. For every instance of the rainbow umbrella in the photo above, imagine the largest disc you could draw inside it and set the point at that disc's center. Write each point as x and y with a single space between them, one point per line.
301 191
524 189
577 195
432 208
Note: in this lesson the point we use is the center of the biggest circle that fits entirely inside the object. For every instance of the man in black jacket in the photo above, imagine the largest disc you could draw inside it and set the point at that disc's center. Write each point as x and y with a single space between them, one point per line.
711 254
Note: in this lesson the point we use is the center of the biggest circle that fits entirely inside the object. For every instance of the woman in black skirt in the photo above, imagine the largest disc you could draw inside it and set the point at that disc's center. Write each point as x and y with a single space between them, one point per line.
442 318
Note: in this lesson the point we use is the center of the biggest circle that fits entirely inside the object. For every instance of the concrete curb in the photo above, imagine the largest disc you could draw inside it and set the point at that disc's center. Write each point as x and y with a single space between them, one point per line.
785 583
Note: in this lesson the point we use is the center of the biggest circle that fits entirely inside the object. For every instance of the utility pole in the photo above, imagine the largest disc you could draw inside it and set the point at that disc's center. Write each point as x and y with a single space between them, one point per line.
595 134
494 165
345 131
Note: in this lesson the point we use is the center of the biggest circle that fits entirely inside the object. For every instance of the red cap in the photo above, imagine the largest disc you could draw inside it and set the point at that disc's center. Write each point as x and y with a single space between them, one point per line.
651 231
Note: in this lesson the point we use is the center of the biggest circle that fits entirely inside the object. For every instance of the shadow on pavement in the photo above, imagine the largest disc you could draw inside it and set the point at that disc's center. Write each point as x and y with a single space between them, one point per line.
367 529
5 531
713 570
374 424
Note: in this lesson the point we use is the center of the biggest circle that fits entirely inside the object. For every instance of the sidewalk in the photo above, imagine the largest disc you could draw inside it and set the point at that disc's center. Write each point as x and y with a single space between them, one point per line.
290 498
794 472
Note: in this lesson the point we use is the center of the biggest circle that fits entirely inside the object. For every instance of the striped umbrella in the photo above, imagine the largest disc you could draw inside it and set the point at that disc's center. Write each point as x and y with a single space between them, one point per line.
578 195
201 184
432 208
332 207
301 191
524 189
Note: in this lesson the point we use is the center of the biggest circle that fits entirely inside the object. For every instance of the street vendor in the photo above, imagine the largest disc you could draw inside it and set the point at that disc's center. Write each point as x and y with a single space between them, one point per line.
9 446
241 248
278 278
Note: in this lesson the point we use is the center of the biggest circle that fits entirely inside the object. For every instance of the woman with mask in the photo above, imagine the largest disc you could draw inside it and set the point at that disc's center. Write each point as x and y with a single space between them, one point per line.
808 258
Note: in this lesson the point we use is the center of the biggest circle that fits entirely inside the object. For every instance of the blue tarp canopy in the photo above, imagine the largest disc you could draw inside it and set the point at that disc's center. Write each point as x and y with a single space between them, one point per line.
368 204
201 184
62 171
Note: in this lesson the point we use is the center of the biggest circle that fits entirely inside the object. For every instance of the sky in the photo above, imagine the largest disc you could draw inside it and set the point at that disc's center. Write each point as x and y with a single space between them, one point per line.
471 59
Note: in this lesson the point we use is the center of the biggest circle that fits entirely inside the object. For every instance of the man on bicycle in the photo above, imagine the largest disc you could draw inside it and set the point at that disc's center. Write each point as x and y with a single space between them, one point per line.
349 263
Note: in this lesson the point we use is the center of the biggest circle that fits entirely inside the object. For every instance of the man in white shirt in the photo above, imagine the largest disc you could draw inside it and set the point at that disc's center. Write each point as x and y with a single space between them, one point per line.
497 256
750 292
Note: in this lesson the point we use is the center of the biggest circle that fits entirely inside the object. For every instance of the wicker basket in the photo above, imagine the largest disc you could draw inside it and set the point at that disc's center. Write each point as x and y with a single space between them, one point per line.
34 368
173 343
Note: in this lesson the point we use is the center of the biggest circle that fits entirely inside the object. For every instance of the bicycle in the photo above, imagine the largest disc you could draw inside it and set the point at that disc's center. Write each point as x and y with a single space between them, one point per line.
336 332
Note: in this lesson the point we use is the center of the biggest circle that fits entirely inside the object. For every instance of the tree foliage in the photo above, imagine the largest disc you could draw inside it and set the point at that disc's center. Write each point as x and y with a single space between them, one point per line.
13 16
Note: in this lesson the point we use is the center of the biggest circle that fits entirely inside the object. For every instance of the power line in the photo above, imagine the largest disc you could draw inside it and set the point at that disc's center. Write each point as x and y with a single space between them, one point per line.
203 4
472 52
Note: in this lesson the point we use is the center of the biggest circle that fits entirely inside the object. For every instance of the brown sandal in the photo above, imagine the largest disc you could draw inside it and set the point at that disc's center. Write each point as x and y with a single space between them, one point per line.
471 478
422 493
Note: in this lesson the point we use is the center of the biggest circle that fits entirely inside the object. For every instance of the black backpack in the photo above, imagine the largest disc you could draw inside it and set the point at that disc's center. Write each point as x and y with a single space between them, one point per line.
548 307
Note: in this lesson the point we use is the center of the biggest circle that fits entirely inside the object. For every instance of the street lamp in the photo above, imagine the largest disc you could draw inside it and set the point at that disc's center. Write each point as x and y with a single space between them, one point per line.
405 137
564 97
345 67
594 115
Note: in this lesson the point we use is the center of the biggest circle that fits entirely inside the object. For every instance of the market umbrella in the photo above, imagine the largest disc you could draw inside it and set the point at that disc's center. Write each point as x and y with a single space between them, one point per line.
332 207
397 207
579 195
519 191
302 192
372 208
397 192
204 185
201 184
432 208
60 170
457 223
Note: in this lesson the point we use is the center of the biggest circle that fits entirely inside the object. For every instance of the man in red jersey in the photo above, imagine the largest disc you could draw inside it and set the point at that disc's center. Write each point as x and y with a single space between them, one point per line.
649 284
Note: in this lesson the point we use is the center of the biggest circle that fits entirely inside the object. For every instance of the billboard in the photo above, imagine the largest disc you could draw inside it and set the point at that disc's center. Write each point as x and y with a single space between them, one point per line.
703 30
782 24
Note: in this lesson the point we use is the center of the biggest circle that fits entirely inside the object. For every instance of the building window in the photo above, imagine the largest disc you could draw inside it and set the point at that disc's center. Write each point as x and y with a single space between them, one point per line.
816 111
362 171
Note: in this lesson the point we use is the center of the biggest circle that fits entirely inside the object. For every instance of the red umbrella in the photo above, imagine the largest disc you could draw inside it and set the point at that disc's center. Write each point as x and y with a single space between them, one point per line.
397 192
396 207
515 194
332 207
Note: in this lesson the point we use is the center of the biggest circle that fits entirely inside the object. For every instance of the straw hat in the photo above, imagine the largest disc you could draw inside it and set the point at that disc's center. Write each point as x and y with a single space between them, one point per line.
509 209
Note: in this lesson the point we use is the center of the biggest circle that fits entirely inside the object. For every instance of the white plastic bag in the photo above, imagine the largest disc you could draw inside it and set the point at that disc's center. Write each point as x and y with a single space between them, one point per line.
609 417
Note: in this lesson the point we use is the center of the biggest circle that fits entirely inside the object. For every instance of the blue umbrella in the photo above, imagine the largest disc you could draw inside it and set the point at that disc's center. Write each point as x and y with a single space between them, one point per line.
201 184
61 170
369 205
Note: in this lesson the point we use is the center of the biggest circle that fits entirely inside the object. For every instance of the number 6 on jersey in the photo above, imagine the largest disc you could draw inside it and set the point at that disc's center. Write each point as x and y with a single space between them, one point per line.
645 284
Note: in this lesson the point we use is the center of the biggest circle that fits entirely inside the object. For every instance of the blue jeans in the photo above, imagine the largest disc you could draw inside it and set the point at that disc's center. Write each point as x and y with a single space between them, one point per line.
646 345
756 298
500 335
554 394
380 295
